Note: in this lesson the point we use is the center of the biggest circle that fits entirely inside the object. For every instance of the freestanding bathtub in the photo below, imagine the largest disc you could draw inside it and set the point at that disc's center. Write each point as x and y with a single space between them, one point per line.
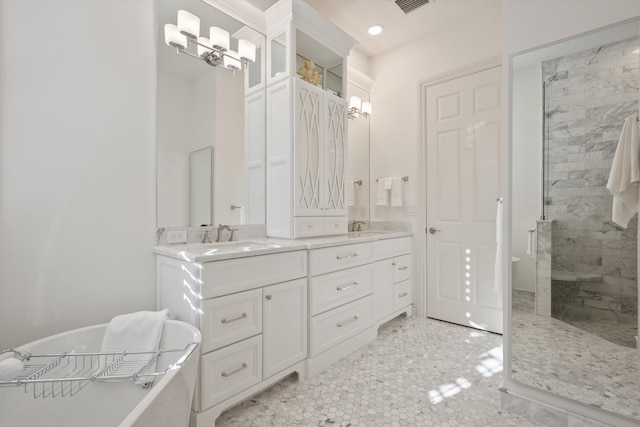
115 403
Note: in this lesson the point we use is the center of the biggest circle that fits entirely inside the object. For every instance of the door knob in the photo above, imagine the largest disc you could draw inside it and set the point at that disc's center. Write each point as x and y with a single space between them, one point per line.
433 230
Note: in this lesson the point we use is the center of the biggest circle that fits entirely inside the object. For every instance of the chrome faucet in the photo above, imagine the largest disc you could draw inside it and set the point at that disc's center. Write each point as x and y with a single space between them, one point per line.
206 238
220 228
357 225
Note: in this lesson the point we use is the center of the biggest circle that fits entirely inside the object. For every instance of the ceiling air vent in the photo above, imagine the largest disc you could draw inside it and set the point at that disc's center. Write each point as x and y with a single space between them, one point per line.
411 5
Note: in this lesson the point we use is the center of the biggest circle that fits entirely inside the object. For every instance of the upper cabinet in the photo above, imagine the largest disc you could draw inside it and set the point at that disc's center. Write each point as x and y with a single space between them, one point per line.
306 122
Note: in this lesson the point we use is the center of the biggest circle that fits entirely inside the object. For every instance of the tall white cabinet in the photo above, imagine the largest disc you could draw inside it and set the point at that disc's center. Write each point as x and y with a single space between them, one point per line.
306 124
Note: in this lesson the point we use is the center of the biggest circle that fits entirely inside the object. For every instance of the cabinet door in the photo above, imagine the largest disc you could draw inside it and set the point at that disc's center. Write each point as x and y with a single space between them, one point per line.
284 325
335 152
383 288
308 148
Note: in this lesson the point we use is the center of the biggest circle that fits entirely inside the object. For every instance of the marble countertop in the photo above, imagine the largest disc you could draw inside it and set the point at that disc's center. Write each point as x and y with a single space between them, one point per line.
205 252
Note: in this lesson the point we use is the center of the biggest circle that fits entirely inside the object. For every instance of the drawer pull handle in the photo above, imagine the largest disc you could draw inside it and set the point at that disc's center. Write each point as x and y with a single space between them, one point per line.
350 285
404 267
268 297
346 322
242 316
235 371
404 294
347 256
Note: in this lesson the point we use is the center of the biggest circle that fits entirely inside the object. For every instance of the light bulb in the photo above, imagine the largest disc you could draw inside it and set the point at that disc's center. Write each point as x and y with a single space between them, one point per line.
188 24
355 102
173 38
204 46
219 38
366 108
247 50
232 61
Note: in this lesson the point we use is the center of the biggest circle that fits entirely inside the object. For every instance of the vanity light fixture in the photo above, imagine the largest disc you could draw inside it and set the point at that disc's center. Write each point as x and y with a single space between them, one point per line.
358 108
214 50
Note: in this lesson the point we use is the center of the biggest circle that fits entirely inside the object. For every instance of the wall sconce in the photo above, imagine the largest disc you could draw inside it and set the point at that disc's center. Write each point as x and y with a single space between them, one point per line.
358 108
213 50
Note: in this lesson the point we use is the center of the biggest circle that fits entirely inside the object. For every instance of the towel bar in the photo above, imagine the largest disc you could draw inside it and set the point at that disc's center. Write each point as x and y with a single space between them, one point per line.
404 178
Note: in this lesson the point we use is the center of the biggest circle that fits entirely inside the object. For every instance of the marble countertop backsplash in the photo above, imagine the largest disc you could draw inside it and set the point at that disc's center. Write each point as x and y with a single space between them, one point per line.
252 241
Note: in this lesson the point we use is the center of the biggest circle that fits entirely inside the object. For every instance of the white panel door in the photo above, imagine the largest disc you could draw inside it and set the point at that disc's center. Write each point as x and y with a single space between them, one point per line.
284 325
463 140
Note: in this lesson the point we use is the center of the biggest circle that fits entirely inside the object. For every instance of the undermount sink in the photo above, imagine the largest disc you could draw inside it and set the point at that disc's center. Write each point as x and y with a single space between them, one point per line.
363 233
224 247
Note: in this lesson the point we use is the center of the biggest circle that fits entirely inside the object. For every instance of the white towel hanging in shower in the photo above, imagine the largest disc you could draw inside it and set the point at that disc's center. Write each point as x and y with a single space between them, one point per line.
625 173
531 242
497 275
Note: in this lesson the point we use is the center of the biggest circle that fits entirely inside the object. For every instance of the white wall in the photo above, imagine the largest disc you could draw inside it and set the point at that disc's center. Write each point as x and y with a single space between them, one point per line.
527 170
395 99
77 172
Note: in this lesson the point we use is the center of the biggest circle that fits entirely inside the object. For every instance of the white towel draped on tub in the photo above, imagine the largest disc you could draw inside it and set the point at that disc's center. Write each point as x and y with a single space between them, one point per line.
625 173
497 276
139 331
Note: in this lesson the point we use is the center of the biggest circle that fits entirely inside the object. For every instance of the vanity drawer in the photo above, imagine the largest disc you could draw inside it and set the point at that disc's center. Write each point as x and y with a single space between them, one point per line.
229 371
331 290
388 248
308 226
230 318
241 274
332 327
336 225
402 268
401 295
326 260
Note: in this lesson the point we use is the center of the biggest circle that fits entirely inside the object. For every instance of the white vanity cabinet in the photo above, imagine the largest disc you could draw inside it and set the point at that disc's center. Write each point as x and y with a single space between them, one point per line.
392 278
252 313
306 124
340 302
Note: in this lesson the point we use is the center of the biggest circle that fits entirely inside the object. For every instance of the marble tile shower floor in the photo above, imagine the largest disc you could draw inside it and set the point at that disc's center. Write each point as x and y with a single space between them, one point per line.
419 372
556 356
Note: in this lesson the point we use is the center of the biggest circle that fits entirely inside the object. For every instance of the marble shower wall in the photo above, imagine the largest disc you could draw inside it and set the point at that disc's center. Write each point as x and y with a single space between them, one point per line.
587 97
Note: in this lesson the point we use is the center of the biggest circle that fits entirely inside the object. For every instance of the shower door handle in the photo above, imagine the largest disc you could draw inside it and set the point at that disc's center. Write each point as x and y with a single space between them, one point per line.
433 230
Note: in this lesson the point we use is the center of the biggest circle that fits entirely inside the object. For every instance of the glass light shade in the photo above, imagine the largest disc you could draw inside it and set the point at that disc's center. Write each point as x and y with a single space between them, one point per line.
219 38
188 24
173 38
247 50
355 102
232 61
366 108
202 49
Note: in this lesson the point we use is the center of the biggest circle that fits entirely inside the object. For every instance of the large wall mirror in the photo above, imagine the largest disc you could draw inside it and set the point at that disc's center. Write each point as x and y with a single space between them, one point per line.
205 111
358 158
574 278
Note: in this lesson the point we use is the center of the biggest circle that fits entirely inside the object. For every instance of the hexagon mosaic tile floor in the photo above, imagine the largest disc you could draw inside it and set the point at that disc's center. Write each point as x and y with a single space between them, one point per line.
419 372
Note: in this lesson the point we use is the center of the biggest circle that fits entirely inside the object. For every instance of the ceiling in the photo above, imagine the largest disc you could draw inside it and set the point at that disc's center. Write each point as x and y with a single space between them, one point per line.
355 17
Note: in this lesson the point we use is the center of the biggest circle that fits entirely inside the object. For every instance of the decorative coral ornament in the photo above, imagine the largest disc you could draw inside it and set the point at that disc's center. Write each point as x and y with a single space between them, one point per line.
307 73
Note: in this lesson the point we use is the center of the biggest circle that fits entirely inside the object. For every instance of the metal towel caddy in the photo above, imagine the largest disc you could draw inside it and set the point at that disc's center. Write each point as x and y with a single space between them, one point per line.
64 374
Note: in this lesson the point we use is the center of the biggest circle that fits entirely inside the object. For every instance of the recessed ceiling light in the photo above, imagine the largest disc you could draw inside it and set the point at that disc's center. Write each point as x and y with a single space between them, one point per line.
374 30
